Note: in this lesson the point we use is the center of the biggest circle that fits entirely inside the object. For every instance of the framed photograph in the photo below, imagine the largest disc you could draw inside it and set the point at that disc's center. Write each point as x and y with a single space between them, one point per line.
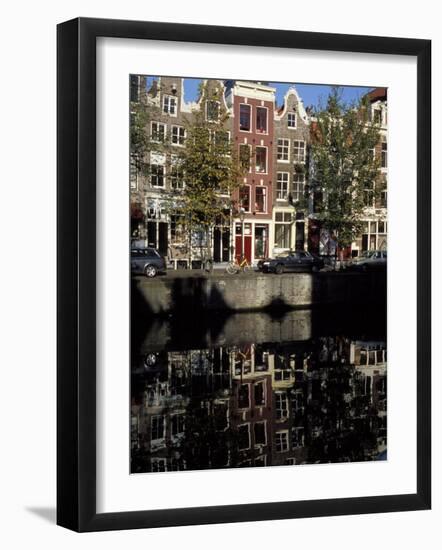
227 202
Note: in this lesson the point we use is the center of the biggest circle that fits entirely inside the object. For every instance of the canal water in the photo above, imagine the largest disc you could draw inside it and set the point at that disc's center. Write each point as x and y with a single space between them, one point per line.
262 389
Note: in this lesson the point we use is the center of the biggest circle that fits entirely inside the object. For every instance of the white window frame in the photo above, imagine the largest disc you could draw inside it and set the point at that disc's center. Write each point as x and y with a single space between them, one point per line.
284 395
167 98
296 121
250 196
178 128
172 176
287 182
207 110
297 429
257 445
248 390
266 199
251 118
264 385
282 433
164 126
158 159
285 147
266 133
295 186
295 156
155 416
250 154
267 159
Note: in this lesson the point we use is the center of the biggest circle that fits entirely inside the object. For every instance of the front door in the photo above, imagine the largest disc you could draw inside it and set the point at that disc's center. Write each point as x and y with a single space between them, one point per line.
243 243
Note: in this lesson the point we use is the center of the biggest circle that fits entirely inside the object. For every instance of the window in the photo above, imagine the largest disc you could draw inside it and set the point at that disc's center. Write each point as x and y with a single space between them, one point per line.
243 396
291 120
212 111
244 156
177 230
297 437
297 401
282 441
221 138
244 117
298 186
259 430
178 135
170 105
261 160
176 174
158 132
157 175
157 427
177 424
244 437
283 150
298 151
369 194
283 229
260 397
244 197
282 407
261 120
134 88
177 464
377 115
261 199
282 185
384 154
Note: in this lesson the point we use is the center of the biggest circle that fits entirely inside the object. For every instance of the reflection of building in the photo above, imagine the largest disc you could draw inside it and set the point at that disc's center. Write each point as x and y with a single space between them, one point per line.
259 405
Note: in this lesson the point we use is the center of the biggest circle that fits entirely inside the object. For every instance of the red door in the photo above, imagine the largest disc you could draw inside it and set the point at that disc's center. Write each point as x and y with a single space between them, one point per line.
247 247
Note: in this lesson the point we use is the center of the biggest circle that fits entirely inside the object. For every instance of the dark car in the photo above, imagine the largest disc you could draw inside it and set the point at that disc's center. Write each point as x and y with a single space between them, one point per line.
292 261
147 261
370 260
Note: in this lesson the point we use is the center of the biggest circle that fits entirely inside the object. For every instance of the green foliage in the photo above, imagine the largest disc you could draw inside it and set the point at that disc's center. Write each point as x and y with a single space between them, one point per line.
209 165
344 168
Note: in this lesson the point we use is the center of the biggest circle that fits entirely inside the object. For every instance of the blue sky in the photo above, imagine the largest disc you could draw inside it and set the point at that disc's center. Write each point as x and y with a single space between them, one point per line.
311 94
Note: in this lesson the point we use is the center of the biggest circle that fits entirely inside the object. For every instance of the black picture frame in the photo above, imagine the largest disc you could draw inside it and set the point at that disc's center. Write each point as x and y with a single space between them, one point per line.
76 274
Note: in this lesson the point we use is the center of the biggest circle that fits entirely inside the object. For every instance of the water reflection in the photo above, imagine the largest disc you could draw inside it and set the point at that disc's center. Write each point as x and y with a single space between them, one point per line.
313 399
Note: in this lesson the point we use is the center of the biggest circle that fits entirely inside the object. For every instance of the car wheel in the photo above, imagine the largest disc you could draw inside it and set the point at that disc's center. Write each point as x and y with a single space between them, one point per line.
150 271
279 269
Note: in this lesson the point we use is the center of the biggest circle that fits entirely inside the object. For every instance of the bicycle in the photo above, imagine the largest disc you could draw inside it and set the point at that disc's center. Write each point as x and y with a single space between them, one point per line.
236 266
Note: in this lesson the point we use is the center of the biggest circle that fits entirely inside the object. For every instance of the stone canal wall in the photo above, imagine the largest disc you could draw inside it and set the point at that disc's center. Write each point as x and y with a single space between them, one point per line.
257 292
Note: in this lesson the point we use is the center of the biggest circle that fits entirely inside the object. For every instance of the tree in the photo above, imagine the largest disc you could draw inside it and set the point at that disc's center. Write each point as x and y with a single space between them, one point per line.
343 165
209 166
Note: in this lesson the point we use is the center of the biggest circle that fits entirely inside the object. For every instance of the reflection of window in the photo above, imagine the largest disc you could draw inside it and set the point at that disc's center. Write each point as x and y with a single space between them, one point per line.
244 156
157 427
158 465
297 437
178 135
282 408
176 174
243 396
260 398
282 185
158 131
282 441
283 149
291 120
298 186
177 424
261 120
212 112
298 151
261 199
169 105
177 464
244 437
244 117
133 173
260 433
261 160
244 197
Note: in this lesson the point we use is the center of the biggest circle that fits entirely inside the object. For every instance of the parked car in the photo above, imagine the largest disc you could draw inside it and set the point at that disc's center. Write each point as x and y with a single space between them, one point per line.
292 261
147 261
370 260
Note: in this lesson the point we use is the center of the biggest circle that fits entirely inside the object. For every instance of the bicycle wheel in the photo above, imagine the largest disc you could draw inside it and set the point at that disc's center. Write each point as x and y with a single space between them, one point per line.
231 268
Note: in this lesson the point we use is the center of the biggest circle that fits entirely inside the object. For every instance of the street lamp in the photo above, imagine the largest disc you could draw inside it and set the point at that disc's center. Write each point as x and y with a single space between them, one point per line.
242 215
